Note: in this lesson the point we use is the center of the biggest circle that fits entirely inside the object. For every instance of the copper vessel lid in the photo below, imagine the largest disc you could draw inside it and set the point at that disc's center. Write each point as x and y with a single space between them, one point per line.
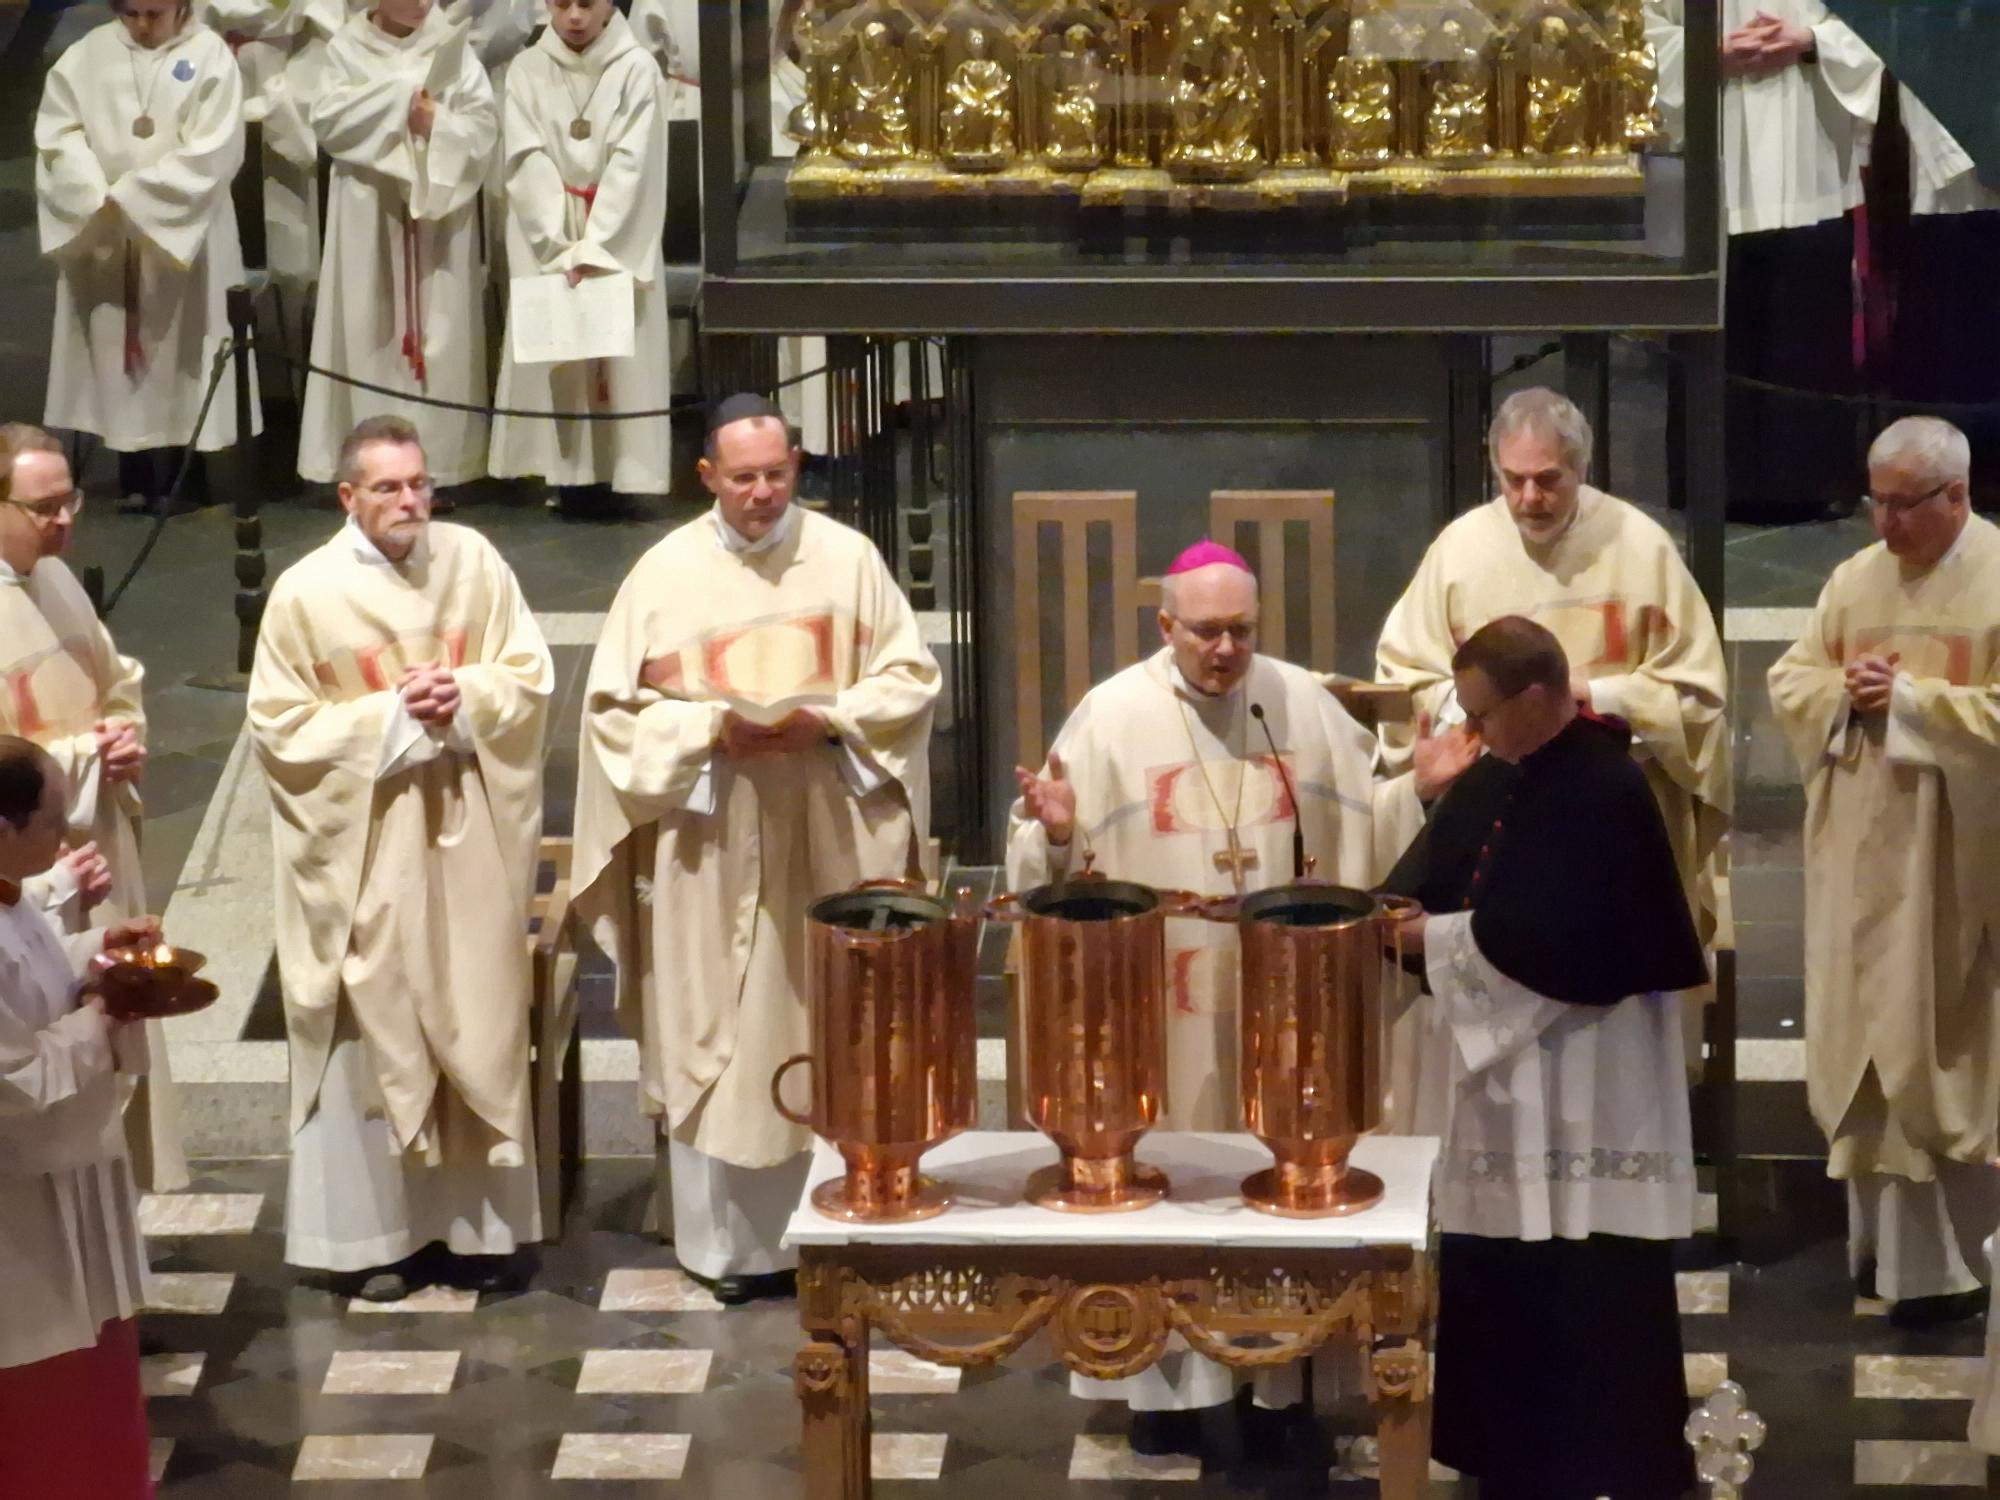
1090 898
887 912
1307 903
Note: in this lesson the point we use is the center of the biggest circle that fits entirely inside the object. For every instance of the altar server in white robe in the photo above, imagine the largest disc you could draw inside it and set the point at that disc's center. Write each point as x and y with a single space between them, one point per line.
1640 639
586 148
670 30
1890 702
72 1415
1799 97
397 706
1163 774
65 685
139 133
409 119
1558 940
703 830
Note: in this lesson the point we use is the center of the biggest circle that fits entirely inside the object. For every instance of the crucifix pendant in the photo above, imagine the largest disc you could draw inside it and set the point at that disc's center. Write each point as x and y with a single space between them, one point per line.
579 129
143 127
1236 861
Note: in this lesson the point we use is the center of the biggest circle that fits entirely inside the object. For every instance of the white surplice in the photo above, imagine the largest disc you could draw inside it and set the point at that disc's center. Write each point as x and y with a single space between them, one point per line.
71 1258
670 30
597 204
400 286
1793 141
143 234
1566 1120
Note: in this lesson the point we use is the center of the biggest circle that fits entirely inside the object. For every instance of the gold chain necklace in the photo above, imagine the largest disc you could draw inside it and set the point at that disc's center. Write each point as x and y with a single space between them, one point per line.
1235 859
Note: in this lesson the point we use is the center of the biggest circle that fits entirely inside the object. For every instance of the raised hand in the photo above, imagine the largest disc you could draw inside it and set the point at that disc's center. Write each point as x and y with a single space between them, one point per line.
119 749
92 873
1050 800
1440 759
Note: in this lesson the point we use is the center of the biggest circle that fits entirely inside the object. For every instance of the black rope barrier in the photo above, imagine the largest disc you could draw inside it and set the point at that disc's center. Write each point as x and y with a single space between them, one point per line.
223 354
1904 405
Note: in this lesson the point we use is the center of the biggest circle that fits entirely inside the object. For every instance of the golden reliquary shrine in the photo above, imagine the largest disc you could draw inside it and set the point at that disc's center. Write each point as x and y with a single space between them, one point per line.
1215 106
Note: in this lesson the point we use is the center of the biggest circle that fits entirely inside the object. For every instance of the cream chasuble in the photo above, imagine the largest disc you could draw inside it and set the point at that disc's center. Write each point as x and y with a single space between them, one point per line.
1793 141
1614 591
135 150
1162 774
400 285
62 675
595 202
695 869
1902 860
406 856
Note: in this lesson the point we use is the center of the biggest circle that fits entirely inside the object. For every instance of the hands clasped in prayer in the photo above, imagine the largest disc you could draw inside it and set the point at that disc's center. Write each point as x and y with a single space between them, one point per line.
1870 681
430 694
800 730
1764 46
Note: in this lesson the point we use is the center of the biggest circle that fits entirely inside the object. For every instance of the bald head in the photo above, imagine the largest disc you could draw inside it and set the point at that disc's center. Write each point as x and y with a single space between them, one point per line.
1208 617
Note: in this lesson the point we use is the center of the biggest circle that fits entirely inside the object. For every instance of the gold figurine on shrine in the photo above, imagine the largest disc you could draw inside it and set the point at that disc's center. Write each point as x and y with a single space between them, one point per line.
1194 105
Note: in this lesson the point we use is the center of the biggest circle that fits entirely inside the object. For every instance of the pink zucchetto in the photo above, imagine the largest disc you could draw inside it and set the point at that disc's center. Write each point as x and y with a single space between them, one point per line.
1207 554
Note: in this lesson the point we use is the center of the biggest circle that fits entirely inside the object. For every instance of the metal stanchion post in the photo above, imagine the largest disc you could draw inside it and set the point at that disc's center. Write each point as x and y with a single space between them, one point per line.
250 565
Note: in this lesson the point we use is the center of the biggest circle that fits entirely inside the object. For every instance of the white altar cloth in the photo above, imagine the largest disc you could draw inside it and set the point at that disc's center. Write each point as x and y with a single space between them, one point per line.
987 1169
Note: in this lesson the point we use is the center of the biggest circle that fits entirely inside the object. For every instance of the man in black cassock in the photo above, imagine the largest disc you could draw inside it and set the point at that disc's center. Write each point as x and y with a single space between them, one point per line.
1557 940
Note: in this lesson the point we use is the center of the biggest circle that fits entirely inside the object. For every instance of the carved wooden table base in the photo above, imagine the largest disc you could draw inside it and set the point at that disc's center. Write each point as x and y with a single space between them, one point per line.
1108 1310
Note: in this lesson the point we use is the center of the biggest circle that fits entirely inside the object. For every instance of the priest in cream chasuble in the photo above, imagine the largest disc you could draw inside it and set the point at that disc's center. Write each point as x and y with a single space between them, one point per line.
755 736
1163 775
1891 704
397 706
64 685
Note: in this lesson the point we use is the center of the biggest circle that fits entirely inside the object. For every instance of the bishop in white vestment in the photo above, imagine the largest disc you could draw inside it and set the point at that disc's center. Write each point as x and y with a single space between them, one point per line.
756 734
408 117
1890 702
65 685
397 706
139 133
1558 939
1162 774
586 189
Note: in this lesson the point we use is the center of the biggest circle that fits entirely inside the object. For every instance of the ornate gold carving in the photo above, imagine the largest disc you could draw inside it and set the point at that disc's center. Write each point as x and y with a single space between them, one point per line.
1111 1331
820 1369
914 1311
1399 1372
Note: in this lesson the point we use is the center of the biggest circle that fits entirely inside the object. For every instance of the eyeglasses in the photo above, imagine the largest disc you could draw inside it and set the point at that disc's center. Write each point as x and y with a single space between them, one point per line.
1240 631
1476 722
1902 505
69 505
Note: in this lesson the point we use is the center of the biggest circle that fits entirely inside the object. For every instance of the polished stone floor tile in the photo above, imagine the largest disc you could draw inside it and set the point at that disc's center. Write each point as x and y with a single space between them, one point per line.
907 1455
645 1372
174 1215
1771 1060
622 1455
1916 1377
1905 1462
356 1456
656 1289
1704 1373
891 1372
391 1372
159 1454
429 1299
201 1292
172 1374
1702 1292
1110 1456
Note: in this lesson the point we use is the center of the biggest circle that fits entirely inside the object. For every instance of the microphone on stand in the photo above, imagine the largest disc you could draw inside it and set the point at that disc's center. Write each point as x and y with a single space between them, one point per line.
1291 791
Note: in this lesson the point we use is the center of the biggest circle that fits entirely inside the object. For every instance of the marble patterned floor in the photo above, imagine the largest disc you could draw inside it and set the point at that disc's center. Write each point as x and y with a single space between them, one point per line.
612 1374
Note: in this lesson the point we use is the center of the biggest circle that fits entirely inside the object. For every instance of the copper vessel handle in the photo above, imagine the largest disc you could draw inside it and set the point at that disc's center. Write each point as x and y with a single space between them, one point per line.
1005 908
1201 908
777 1084
891 883
1223 908
1399 909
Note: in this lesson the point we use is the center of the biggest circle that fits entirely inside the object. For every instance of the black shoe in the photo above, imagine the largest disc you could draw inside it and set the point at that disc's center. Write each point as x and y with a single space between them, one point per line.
1156 1434
734 1291
1270 1435
488 1273
1864 1281
1934 1312
382 1284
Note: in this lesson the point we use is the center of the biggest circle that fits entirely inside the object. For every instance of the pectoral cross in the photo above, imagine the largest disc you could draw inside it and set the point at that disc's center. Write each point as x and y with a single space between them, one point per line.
1236 860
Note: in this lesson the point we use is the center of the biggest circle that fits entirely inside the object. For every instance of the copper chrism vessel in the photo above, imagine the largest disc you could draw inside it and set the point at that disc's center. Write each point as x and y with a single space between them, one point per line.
1312 1039
889 980
1093 962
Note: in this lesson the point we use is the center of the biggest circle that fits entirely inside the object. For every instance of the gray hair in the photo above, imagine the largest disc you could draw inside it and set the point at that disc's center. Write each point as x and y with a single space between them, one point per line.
367 432
1549 413
1930 445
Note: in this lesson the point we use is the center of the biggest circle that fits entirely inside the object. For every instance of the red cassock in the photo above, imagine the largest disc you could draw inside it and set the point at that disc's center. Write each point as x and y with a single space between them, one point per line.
74 1426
